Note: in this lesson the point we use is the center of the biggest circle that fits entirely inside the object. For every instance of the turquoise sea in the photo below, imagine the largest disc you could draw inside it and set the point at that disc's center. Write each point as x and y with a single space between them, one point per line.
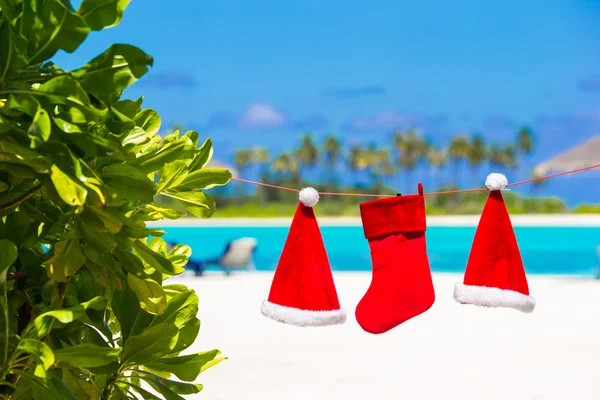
545 250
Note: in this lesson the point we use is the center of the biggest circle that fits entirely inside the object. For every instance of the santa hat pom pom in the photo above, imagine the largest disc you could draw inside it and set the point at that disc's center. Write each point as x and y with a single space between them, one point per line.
309 197
496 181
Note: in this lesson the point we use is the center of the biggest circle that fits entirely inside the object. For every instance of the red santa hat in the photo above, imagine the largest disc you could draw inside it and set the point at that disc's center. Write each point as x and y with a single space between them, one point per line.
303 292
495 276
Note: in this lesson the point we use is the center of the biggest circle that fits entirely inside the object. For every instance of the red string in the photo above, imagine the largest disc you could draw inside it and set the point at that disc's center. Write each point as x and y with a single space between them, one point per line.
426 193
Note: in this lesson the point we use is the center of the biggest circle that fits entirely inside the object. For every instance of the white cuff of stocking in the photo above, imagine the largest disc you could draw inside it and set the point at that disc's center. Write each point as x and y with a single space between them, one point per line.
493 297
298 317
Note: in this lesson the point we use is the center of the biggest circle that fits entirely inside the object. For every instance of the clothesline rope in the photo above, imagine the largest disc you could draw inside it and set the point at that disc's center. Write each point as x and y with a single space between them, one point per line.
426 193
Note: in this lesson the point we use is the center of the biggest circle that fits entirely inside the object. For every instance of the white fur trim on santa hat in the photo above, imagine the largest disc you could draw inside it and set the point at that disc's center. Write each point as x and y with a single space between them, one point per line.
295 316
496 181
309 197
493 297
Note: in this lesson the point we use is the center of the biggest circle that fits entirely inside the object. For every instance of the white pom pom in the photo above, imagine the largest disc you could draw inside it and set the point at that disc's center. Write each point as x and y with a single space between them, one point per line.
309 197
496 181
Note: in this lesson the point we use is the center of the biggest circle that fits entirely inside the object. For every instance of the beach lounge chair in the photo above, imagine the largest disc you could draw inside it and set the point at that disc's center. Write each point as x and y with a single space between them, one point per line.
236 256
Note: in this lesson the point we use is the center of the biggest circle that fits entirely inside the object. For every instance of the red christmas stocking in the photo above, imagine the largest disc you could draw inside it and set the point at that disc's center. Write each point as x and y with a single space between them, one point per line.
401 286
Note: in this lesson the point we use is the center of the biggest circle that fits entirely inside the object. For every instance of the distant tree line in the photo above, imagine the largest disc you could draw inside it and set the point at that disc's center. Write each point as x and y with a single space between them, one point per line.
387 165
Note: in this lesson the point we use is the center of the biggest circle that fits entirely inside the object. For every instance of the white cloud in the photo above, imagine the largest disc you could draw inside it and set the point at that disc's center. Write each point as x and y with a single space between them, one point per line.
261 115
389 120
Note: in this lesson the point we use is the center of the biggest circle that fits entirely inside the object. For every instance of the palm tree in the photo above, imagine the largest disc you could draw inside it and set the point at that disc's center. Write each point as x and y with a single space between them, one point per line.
436 159
356 160
332 152
537 185
509 156
525 141
495 157
476 154
524 147
261 157
242 160
379 163
307 154
412 149
398 143
458 151
285 165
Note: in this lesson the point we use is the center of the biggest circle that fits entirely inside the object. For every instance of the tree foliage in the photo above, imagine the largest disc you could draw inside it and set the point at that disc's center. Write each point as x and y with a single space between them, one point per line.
86 309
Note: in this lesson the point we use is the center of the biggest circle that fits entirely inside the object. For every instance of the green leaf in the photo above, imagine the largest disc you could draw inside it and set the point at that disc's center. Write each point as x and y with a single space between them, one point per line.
179 310
155 260
206 178
100 14
133 228
130 262
56 28
65 90
194 137
158 383
81 388
187 335
172 174
13 47
203 156
101 240
6 124
66 126
118 393
149 121
14 154
66 260
86 287
198 203
40 326
119 67
50 293
87 355
128 108
158 245
92 144
153 161
9 9
128 182
39 350
166 212
150 345
10 344
39 129
131 317
43 387
187 368
111 223
8 254
135 136
101 265
146 395
150 294
180 254
70 191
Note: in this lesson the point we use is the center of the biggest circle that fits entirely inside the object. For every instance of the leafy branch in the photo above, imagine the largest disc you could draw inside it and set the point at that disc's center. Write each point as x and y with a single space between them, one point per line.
87 312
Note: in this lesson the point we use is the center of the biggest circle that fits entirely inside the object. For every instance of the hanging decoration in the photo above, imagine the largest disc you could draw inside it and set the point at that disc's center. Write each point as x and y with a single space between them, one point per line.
303 292
495 276
401 285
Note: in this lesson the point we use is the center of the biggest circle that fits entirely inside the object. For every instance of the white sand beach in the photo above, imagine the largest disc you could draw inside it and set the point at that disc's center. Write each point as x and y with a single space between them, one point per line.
452 351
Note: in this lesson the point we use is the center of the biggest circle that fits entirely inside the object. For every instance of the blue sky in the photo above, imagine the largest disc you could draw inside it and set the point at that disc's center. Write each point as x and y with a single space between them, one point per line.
263 72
